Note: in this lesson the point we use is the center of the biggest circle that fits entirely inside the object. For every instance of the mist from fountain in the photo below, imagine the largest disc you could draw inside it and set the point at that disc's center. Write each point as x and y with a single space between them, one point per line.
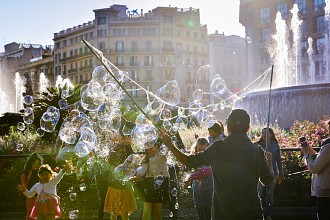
43 83
19 89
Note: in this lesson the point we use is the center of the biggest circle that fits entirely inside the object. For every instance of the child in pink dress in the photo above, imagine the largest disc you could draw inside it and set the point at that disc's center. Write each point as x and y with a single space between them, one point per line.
47 203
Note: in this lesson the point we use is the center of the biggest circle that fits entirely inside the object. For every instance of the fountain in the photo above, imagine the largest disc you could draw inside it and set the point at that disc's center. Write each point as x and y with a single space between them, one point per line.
299 93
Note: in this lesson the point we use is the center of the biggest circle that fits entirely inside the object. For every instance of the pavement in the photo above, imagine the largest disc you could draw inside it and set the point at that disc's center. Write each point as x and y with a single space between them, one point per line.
279 213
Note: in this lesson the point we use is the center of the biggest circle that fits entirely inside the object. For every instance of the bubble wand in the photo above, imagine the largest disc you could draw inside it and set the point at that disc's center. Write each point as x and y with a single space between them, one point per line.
269 102
99 56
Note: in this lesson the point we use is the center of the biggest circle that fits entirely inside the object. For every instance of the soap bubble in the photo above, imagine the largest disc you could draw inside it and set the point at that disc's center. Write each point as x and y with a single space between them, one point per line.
73 196
40 132
166 114
170 93
159 180
218 87
74 214
198 95
100 74
144 137
82 187
21 126
27 100
174 192
19 147
182 122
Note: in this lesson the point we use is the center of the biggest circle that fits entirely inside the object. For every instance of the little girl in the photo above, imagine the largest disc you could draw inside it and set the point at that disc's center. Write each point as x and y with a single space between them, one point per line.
202 184
47 203
156 189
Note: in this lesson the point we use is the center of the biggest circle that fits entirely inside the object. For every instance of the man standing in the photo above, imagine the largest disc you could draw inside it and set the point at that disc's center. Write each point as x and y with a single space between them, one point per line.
237 164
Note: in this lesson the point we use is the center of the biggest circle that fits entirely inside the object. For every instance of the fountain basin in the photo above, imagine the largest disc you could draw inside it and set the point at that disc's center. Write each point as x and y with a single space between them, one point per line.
303 102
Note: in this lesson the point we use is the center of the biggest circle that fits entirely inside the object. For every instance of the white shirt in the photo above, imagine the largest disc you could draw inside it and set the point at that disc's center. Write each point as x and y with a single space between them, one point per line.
49 187
157 166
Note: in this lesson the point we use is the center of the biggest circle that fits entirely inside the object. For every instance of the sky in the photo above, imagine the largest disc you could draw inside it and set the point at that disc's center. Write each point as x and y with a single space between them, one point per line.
36 21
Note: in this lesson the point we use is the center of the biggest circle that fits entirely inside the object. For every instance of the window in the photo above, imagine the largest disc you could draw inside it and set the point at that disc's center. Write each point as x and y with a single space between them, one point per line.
71 40
118 32
301 6
265 15
320 24
167 19
64 43
195 35
265 35
133 61
168 75
319 4
101 33
119 60
101 20
283 9
81 51
135 75
91 35
187 33
133 91
149 31
320 43
134 31
119 47
134 46
148 61
149 45
167 31
148 75
168 46
101 46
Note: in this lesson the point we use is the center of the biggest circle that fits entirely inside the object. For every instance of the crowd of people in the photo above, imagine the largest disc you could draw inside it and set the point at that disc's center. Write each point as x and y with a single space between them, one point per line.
229 176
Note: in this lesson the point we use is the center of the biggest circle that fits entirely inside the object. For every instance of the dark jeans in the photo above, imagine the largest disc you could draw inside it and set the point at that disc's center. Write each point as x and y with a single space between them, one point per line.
323 208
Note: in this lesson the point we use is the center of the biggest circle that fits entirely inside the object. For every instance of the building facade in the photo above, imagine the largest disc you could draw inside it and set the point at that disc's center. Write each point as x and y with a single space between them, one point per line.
163 44
227 57
258 17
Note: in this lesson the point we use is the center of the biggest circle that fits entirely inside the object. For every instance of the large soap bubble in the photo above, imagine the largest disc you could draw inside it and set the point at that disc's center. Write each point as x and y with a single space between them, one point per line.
170 93
218 87
144 137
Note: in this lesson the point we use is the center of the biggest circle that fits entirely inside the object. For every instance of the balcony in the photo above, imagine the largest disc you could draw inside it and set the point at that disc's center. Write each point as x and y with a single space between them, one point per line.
134 63
119 64
75 70
88 67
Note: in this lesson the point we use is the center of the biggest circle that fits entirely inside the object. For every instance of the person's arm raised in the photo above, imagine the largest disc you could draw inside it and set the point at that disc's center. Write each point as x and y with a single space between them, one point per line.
166 139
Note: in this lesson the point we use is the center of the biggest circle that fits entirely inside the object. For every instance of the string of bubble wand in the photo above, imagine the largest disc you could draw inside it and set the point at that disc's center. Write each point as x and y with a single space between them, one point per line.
269 102
99 56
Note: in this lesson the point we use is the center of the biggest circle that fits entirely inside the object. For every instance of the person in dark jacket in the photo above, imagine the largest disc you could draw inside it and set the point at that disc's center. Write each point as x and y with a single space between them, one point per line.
237 165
